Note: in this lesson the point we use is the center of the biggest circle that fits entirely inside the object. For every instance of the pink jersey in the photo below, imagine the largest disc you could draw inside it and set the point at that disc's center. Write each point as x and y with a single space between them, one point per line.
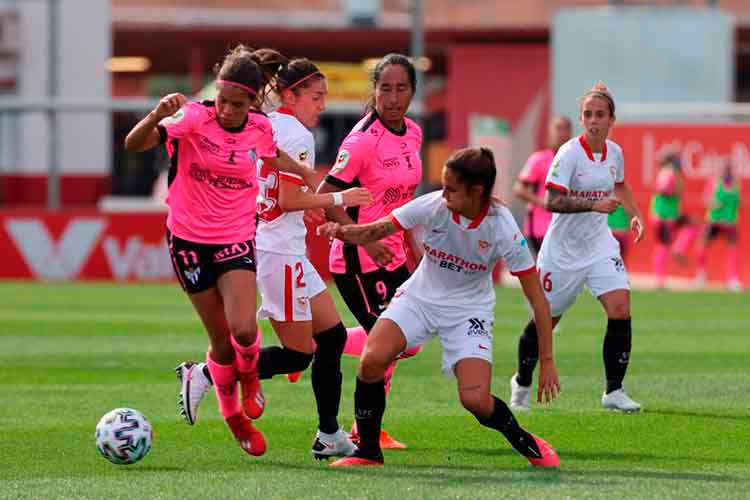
387 163
213 179
535 172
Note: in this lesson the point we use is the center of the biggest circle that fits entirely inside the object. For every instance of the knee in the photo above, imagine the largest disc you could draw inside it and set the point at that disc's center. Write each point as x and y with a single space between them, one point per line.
477 402
372 367
620 311
243 329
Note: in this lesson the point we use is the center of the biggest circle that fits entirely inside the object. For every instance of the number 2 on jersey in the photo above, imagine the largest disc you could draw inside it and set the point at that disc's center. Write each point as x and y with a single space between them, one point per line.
299 283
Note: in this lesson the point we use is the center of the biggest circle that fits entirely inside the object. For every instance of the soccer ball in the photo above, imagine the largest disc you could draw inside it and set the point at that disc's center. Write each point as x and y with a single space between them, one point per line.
123 436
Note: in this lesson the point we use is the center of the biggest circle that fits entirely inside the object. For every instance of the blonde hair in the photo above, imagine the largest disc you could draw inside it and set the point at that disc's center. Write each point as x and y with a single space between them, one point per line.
600 90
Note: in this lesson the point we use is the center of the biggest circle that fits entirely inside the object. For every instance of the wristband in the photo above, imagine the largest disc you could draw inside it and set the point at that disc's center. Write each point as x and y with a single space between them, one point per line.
338 199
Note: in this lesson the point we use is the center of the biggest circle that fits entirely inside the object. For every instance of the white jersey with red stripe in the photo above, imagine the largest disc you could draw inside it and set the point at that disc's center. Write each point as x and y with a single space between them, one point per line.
459 254
576 240
279 231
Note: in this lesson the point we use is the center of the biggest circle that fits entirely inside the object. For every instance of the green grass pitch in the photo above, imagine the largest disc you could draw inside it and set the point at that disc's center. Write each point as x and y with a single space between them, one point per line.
70 353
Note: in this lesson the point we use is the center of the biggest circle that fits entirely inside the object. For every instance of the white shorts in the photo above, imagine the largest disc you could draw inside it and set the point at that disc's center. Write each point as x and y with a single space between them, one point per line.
563 287
464 335
286 284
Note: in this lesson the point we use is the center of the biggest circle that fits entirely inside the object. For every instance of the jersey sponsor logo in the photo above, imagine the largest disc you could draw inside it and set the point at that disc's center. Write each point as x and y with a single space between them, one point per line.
397 194
518 238
391 163
192 275
555 168
453 262
175 118
233 251
341 162
303 155
589 195
619 264
218 181
613 172
478 328
205 144
483 247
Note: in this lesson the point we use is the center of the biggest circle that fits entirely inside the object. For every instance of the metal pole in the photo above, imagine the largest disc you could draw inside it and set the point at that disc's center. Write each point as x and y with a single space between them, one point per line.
53 174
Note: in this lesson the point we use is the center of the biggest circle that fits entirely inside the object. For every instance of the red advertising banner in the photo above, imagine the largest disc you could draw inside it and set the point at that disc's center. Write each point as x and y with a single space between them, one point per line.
702 149
91 245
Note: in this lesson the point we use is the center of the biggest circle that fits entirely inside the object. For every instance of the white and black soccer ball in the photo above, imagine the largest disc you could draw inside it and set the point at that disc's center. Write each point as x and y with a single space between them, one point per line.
124 436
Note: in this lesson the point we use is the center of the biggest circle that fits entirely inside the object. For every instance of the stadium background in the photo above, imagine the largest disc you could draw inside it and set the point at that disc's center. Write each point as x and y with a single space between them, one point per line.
74 76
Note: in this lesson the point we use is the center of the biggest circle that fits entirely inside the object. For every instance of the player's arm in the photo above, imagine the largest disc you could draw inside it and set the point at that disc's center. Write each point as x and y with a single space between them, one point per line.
335 214
549 381
145 135
525 191
361 234
558 201
623 193
286 163
291 197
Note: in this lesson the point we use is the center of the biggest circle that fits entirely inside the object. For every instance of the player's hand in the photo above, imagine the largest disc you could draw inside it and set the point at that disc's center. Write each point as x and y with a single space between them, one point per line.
636 225
549 382
355 197
329 230
169 105
314 217
605 206
380 253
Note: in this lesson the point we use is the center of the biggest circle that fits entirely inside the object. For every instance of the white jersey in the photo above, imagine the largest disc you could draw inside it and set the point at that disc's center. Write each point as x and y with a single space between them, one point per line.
577 240
459 254
279 231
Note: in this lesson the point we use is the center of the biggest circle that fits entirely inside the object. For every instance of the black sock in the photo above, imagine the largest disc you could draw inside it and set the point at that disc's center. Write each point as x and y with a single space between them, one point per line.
326 376
369 406
277 360
528 354
616 352
503 420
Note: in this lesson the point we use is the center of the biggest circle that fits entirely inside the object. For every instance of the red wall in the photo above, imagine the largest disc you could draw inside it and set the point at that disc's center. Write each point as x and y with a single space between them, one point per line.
495 80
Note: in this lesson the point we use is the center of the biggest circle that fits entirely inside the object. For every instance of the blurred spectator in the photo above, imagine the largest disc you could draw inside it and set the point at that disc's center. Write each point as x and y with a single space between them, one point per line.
722 199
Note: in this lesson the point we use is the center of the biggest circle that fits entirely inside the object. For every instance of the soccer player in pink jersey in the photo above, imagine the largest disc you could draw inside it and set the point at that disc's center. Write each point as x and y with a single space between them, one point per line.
381 153
530 184
466 233
214 148
293 296
585 183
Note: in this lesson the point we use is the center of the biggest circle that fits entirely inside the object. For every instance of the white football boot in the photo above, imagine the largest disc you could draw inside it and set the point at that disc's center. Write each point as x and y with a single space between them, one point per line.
618 400
520 396
193 386
337 444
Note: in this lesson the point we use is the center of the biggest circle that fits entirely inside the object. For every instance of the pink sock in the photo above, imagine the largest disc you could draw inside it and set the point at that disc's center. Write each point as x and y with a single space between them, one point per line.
356 338
388 376
685 238
660 262
702 259
225 386
734 275
246 358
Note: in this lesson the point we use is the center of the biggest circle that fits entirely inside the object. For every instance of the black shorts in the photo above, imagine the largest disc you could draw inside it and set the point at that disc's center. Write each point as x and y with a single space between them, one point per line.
368 294
728 231
199 265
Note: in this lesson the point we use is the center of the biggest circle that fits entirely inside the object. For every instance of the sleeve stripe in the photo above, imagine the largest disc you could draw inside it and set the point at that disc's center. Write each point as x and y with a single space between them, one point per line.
334 181
556 187
530 270
294 179
396 223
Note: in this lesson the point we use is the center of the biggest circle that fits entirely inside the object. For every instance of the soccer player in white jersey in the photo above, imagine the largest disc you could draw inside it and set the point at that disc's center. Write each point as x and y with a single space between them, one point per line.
451 296
585 183
294 297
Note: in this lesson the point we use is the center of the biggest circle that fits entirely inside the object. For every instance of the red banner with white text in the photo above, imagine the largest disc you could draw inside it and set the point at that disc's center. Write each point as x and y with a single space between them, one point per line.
702 149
